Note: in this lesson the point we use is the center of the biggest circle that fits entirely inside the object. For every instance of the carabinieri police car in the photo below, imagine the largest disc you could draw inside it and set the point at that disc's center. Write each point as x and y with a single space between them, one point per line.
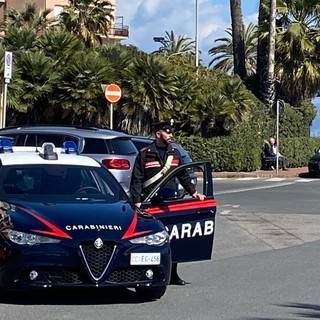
65 221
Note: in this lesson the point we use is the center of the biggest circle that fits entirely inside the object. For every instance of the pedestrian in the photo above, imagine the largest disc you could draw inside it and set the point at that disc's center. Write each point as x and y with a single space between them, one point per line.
271 150
151 164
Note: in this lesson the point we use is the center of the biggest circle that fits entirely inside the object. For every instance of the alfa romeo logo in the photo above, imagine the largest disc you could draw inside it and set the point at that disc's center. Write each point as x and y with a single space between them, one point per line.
98 243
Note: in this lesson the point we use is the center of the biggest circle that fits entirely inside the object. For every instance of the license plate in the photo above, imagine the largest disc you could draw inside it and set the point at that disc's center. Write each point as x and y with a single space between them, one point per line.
140 259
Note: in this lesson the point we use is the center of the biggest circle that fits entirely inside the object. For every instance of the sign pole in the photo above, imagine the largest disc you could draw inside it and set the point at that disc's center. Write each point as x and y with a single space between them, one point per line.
7 78
5 93
112 93
111 116
277 138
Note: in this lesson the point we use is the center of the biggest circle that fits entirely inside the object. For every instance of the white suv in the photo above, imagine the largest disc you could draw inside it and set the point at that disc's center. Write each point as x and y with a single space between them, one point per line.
113 149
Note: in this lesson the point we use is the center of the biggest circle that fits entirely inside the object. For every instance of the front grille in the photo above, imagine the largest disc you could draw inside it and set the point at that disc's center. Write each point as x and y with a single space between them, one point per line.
126 275
97 260
63 277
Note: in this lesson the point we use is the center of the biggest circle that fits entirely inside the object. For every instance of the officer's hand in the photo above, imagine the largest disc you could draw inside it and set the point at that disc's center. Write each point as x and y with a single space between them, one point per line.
199 196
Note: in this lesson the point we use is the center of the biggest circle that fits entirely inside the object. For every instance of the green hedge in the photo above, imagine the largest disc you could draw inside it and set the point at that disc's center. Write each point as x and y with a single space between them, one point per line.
234 153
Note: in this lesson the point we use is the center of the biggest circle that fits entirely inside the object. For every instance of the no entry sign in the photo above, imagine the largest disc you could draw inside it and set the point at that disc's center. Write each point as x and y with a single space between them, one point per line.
112 93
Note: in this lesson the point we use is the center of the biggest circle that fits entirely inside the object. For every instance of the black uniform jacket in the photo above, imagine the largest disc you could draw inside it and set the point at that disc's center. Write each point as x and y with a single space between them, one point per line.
148 163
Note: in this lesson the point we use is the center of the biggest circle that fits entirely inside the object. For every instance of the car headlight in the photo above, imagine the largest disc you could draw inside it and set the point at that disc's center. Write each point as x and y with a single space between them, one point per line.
155 239
29 239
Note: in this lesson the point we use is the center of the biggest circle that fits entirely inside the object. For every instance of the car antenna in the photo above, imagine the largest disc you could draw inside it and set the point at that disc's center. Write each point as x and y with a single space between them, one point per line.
37 144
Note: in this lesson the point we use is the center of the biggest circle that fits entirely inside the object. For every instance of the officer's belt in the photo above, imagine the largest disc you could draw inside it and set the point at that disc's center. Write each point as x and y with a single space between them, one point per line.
161 173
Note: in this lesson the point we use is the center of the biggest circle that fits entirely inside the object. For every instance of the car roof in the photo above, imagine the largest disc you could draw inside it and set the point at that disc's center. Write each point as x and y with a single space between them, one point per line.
34 158
80 131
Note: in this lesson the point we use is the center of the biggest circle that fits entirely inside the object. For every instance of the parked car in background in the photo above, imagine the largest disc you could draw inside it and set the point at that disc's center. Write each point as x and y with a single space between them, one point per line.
142 142
113 149
314 164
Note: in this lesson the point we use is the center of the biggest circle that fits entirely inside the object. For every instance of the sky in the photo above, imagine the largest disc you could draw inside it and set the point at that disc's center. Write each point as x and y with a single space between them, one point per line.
153 18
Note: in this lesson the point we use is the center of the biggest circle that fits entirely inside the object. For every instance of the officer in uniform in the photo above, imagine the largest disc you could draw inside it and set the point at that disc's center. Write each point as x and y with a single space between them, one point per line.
151 164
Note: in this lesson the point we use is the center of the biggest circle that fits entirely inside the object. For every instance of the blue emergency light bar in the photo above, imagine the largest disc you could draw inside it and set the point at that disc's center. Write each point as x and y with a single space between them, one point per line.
69 147
5 145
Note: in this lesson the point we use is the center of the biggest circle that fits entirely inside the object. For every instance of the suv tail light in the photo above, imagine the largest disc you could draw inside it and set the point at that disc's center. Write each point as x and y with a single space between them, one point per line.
119 164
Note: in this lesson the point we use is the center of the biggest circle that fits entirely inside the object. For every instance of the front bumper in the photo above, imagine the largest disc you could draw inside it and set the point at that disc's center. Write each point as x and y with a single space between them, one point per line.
29 268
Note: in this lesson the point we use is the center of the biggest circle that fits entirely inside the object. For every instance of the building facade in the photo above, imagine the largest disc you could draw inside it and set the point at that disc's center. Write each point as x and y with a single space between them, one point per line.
118 30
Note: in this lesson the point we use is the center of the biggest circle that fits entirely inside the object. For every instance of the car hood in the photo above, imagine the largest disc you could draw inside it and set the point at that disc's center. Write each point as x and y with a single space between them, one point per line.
82 221
315 157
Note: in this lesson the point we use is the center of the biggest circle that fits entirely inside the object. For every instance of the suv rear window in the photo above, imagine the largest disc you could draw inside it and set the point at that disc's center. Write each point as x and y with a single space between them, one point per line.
121 146
31 140
39 139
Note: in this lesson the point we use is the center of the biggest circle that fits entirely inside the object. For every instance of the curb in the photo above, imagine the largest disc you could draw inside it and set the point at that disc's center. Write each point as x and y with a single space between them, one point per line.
291 173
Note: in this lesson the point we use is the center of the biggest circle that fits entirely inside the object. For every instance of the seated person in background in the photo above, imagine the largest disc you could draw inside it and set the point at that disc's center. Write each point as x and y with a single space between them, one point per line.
271 150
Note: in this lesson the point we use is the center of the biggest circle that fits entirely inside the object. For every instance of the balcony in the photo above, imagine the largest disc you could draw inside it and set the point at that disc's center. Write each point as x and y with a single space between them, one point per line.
118 30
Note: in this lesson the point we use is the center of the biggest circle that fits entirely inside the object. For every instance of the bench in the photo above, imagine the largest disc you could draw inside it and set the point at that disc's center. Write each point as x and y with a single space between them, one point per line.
267 162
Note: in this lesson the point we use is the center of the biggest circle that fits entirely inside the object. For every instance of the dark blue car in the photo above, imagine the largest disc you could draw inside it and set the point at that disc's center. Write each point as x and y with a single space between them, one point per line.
65 221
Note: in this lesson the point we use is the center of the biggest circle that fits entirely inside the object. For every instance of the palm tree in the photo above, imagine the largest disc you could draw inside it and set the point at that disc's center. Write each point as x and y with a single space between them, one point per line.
223 58
262 47
36 77
19 40
29 18
89 20
238 38
149 91
79 92
173 45
60 45
297 50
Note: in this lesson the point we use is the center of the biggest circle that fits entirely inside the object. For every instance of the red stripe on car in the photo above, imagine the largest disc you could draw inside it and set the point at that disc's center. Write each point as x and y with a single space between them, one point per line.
54 231
131 231
183 206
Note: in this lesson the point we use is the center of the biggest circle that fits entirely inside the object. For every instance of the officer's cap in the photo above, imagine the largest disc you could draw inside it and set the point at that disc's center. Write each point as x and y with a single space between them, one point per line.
164 126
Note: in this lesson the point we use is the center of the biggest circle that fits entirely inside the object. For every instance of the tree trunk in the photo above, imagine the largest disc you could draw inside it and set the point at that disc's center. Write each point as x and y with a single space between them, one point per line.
238 39
262 49
266 52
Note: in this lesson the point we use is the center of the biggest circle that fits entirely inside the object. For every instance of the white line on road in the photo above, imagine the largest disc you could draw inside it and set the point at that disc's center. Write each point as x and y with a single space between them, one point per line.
255 188
275 179
304 180
224 212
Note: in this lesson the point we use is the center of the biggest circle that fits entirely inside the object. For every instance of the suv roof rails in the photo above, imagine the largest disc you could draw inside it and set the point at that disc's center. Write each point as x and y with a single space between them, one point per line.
57 125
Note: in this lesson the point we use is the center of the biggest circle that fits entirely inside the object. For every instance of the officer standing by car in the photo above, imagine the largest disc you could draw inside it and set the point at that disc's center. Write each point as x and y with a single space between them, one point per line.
151 164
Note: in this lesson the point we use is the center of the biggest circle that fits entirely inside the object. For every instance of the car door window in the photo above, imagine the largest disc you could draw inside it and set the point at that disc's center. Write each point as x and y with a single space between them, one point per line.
189 221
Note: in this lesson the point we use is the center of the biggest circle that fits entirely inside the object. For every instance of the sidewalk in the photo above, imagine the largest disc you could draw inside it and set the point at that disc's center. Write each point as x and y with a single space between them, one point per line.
292 172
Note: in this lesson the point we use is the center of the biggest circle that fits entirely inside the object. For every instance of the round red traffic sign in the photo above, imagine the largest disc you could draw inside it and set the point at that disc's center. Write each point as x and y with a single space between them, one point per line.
112 93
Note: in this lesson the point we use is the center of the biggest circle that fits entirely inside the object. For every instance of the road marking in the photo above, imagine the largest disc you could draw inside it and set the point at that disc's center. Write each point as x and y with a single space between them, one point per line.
275 179
255 188
304 180
247 178
224 212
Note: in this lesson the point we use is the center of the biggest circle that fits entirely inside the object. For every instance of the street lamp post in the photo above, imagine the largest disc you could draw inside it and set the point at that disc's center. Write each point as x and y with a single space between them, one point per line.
162 40
196 34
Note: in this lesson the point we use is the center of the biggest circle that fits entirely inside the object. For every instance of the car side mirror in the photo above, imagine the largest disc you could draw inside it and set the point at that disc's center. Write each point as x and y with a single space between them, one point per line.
167 194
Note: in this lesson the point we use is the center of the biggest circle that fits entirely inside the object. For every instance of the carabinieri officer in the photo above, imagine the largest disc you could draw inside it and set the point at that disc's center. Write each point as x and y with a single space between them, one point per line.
151 164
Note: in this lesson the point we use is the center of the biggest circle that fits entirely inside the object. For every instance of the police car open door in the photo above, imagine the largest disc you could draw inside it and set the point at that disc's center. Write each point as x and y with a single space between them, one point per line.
189 221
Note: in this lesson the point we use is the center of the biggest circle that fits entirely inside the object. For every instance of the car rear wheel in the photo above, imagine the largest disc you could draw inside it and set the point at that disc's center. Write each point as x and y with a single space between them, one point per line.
151 293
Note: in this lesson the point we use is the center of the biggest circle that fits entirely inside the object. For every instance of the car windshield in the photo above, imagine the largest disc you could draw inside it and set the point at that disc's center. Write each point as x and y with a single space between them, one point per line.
61 181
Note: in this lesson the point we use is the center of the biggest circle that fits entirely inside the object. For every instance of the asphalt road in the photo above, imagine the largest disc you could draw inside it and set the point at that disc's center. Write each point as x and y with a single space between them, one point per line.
265 266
